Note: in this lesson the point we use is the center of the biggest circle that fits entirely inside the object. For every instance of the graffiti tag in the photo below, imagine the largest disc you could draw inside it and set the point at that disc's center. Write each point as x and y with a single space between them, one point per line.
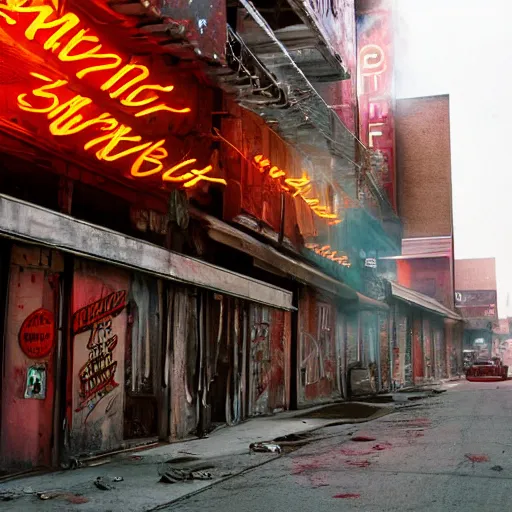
97 375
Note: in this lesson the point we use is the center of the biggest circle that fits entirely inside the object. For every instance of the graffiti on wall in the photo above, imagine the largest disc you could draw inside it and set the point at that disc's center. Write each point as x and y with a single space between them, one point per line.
318 360
97 375
267 359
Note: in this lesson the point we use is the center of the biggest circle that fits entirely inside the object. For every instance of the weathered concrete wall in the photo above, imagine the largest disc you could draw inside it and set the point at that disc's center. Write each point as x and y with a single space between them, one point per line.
99 326
424 166
27 423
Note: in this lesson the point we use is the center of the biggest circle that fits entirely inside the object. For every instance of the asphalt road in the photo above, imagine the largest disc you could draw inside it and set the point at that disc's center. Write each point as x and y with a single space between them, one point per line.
447 453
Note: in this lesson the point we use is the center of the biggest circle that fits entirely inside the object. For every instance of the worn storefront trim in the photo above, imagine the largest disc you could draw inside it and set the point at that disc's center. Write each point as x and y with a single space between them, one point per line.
21 220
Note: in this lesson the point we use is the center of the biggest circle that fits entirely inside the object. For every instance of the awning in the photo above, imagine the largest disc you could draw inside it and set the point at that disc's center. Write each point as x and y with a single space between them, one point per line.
29 223
422 301
225 234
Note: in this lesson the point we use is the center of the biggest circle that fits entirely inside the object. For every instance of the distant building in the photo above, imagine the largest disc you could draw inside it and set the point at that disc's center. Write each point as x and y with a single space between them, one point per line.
476 299
424 204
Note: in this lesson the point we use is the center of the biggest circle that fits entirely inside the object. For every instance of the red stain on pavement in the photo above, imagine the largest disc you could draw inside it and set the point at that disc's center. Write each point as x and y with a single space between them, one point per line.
381 446
363 439
347 495
473 457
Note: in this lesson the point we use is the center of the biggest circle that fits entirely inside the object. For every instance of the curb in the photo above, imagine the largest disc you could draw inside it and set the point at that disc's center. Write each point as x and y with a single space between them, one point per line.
377 415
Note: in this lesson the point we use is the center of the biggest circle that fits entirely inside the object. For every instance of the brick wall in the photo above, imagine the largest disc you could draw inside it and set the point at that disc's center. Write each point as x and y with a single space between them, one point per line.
424 166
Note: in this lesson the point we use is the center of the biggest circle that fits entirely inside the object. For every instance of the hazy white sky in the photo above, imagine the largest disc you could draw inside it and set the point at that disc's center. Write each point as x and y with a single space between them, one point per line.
462 47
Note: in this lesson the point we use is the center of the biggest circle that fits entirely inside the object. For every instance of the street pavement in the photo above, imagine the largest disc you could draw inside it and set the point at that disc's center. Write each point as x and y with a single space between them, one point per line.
447 453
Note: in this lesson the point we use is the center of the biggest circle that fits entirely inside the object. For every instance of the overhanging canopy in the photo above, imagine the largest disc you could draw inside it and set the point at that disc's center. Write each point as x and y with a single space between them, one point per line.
225 234
422 301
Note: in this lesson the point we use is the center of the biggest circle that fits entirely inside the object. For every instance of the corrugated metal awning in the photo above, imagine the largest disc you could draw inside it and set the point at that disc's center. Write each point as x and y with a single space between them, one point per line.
27 222
422 301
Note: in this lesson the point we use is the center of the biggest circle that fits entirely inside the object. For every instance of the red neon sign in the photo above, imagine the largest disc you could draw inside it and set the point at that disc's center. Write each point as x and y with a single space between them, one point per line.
127 83
375 88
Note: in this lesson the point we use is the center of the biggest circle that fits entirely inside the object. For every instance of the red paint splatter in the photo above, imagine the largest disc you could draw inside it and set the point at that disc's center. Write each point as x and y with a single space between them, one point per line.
348 495
363 439
358 463
473 457
77 500
381 446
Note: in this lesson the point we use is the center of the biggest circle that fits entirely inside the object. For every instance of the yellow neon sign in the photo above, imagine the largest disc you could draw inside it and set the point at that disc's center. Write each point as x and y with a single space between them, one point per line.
326 252
55 28
297 186
117 141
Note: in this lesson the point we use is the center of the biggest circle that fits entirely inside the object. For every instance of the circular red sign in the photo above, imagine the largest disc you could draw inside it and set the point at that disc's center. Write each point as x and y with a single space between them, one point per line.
37 334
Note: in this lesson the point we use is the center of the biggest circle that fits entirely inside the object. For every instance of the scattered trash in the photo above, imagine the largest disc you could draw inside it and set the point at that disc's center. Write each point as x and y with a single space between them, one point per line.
136 457
73 463
348 495
477 457
363 439
118 479
172 475
28 490
69 497
200 475
265 447
497 468
102 485
48 495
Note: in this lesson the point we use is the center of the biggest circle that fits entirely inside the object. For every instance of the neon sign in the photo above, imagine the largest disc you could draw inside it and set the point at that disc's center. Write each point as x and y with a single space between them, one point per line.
297 187
326 252
129 84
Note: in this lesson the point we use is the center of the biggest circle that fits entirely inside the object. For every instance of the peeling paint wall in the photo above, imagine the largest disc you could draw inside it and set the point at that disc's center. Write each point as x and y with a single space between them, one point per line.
27 423
142 369
317 349
269 359
183 362
99 330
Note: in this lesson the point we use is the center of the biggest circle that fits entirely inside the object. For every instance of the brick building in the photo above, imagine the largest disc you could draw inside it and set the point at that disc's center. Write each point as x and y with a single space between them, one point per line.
424 202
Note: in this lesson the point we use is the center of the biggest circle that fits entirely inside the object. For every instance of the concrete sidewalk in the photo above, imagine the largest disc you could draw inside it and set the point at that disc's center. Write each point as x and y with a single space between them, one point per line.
226 450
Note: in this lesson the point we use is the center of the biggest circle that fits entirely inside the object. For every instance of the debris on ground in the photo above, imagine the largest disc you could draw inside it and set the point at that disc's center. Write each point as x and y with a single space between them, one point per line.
363 439
174 475
497 468
102 485
473 457
136 457
265 448
118 479
9 496
348 495
76 499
